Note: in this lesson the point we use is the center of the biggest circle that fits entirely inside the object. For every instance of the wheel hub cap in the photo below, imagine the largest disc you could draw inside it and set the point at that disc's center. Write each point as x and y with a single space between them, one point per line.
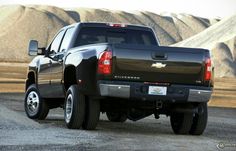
69 107
33 102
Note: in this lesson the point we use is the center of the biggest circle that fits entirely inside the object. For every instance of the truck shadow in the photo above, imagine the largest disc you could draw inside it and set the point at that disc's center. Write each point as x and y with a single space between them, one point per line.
147 126
221 129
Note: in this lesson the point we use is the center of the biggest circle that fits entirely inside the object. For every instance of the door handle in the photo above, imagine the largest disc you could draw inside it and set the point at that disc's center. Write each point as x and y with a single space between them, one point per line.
58 58
159 56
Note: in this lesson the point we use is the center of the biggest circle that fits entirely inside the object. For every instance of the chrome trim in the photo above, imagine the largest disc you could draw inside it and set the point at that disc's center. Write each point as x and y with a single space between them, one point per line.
122 91
199 95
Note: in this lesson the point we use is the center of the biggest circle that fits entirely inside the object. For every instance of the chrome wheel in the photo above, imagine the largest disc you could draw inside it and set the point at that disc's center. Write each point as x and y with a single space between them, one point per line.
33 102
35 106
74 108
69 108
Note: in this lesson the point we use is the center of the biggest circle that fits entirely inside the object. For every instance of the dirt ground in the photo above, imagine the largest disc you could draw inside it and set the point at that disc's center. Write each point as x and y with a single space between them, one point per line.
17 132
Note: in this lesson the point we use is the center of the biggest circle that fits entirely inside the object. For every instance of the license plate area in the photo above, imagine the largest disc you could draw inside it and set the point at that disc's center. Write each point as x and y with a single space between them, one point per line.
157 90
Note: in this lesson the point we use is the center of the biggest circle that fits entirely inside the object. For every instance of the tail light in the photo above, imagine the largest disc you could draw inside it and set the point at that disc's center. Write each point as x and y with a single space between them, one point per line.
105 63
116 25
208 69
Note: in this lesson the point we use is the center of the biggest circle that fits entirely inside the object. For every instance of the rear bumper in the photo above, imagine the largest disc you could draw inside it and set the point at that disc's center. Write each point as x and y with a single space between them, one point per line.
139 91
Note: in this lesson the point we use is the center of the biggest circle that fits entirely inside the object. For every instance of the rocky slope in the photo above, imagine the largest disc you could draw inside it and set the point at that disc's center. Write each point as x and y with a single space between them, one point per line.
19 24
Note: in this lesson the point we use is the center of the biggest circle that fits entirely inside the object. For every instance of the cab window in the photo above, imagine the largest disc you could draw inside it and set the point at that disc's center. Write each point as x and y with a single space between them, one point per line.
54 48
67 39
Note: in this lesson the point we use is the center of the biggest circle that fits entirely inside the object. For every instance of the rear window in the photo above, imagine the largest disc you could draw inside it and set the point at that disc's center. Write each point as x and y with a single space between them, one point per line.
93 35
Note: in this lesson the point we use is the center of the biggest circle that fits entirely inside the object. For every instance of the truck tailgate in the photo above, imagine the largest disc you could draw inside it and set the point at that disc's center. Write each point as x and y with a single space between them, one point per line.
158 64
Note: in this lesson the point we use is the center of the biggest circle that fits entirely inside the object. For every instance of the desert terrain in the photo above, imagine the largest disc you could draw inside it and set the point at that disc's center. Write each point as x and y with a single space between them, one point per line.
20 23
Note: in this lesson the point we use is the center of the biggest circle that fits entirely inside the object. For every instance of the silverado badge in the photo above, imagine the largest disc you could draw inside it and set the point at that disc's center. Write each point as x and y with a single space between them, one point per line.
158 65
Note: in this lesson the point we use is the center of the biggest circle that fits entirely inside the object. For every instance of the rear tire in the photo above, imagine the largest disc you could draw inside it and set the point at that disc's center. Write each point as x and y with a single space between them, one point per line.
181 122
35 106
74 108
199 120
116 117
92 114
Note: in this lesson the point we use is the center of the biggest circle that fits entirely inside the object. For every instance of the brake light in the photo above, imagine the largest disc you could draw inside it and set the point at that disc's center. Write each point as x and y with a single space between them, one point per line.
208 69
116 25
105 63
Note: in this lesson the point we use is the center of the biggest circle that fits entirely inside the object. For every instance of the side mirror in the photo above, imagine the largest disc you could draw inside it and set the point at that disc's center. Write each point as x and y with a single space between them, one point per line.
33 48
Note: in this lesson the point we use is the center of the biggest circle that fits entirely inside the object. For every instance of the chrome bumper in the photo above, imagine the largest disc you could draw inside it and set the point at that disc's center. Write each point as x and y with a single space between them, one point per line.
124 91
199 95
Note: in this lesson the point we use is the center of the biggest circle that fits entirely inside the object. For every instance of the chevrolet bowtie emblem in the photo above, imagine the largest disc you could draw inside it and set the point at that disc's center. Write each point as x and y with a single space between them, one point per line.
158 65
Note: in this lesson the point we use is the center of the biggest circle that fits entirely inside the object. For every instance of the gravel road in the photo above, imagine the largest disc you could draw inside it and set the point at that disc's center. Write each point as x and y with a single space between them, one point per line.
17 132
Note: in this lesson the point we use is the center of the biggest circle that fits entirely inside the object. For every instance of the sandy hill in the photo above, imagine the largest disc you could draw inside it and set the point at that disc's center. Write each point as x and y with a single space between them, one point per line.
221 40
19 24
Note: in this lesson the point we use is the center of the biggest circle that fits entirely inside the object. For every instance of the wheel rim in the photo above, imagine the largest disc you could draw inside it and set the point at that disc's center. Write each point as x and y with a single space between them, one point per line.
33 102
69 108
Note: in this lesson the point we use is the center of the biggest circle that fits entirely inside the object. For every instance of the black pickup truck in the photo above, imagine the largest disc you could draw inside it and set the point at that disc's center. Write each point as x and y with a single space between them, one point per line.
119 70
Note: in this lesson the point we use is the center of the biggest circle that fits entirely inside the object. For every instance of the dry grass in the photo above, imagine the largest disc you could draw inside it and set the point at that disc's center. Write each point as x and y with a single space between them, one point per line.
12 87
12 77
13 71
224 94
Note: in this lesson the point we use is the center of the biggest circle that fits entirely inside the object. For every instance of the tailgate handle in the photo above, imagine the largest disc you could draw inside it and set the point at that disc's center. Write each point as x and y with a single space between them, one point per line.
159 56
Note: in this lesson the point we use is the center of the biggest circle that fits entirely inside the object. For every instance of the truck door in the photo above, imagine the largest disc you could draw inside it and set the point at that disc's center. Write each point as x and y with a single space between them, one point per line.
44 76
46 64
57 65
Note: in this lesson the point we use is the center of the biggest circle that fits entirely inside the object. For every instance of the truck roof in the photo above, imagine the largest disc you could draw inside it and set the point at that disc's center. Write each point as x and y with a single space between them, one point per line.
109 24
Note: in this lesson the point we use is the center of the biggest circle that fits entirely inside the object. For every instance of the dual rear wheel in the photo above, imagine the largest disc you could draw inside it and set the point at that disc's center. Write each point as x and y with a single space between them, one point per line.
80 111
189 123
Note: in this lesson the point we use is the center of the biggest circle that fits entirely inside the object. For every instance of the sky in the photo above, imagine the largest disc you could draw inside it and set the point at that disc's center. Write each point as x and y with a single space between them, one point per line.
202 8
